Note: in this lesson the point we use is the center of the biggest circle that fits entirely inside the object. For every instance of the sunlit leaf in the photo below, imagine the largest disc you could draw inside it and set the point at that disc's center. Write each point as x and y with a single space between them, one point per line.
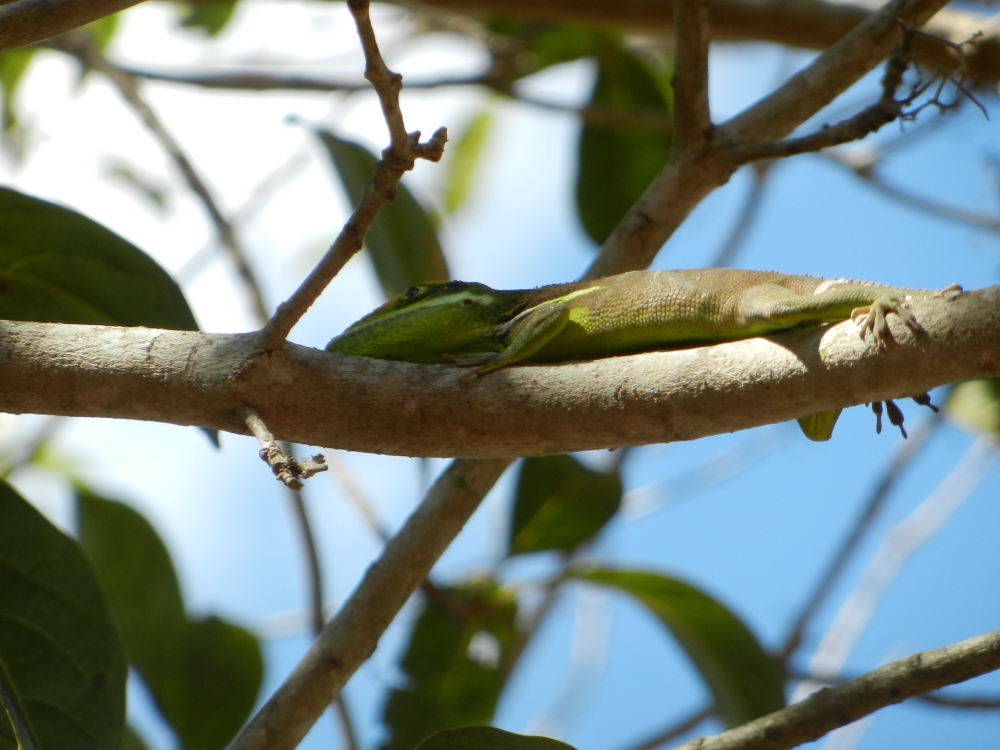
58 266
210 17
62 669
204 675
618 162
102 31
975 405
560 504
743 680
464 161
13 65
455 663
488 738
402 242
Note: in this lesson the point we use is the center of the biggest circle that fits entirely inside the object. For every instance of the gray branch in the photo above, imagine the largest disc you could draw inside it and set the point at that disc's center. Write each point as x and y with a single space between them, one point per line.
315 398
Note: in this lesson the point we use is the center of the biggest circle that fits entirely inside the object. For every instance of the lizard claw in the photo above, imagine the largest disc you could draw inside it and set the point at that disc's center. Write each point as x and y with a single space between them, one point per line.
872 318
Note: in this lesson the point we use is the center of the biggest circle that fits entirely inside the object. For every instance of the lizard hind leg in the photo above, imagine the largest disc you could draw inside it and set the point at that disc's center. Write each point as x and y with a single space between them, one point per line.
872 318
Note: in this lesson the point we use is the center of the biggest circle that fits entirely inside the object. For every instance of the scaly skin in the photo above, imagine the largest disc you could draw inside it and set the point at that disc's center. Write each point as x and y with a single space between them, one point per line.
472 325
631 312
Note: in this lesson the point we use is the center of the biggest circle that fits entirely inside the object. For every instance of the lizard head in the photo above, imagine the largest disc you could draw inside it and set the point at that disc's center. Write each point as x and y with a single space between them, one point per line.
426 322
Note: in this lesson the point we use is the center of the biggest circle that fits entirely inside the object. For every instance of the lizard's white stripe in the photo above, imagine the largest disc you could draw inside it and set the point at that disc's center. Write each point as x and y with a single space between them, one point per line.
829 284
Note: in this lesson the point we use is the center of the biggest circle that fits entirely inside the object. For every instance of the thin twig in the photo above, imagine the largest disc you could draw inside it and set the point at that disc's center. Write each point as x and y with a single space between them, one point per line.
403 151
939 700
830 708
81 46
355 493
692 120
314 575
908 451
350 637
289 471
676 729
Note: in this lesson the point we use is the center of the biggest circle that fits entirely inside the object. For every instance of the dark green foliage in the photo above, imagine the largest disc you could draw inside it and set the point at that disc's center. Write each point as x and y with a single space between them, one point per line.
62 668
210 17
743 680
560 504
203 674
456 662
402 242
58 266
488 738
617 162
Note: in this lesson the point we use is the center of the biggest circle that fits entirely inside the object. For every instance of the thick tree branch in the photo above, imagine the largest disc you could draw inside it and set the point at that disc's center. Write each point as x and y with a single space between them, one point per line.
350 638
812 25
30 21
830 708
315 398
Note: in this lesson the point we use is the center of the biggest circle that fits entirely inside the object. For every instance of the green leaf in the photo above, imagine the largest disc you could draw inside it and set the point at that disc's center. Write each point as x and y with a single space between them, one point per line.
220 669
560 504
743 680
209 17
402 242
204 675
102 31
545 45
13 65
62 669
456 662
465 158
488 738
975 405
616 164
58 266
131 740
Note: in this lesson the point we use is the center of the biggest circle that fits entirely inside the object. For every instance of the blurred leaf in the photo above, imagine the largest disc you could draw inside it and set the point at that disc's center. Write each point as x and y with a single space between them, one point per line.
544 45
13 65
466 156
7 739
207 16
616 164
204 675
819 427
102 31
456 662
132 741
488 738
62 669
402 242
975 405
220 670
560 504
58 266
146 187
743 680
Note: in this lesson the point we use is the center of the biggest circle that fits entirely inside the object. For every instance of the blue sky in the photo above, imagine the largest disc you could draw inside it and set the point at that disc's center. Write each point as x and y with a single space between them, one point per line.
757 540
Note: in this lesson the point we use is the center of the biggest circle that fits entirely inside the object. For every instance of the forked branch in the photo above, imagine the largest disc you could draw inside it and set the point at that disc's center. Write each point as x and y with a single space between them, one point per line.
402 153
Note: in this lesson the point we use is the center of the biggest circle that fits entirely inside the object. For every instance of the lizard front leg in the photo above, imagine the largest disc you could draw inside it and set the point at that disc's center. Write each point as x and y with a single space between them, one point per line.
534 329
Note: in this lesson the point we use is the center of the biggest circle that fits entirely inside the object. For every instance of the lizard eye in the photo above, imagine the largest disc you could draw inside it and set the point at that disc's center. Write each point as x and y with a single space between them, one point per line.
411 292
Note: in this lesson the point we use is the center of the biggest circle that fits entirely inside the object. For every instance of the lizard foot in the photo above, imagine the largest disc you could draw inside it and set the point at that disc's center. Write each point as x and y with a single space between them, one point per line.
895 414
872 318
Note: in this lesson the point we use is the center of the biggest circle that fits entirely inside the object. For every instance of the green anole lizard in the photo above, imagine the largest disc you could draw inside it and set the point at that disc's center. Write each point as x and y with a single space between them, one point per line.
473 325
